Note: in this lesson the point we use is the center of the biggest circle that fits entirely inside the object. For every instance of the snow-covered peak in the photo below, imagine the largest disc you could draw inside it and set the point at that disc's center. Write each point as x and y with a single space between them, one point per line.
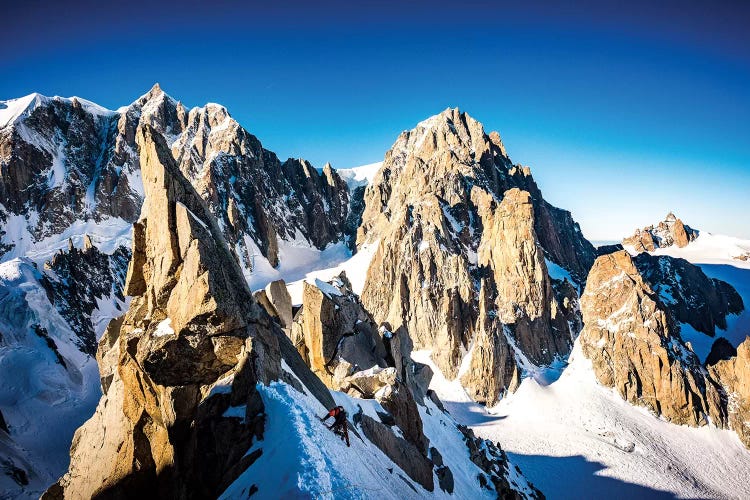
15 110
149 101
359 176
445 116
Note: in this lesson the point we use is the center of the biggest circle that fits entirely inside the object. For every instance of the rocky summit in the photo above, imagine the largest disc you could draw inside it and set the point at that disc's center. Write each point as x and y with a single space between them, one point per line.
195 306
670 231
461 230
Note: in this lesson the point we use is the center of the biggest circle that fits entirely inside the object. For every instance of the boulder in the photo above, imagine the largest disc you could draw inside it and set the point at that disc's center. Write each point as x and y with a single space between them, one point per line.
281 301
367 383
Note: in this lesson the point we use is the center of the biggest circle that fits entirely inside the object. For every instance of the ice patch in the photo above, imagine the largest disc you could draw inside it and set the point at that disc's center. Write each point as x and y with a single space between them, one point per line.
164 328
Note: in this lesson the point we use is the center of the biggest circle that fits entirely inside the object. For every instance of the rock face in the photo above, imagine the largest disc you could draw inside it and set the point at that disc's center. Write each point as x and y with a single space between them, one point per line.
334 333
82 279
670 231
633 340
635 346
454 219
688 293
276 301
69 162
734 376
56 168
192 326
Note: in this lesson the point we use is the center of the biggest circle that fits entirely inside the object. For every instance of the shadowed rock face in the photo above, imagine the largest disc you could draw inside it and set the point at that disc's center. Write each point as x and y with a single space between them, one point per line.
631 338
670 231
688 293
58 163
734 376
82 278
452 215
192 324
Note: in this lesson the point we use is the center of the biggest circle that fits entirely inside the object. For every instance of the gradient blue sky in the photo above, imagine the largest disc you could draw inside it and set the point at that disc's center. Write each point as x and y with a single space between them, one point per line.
624 110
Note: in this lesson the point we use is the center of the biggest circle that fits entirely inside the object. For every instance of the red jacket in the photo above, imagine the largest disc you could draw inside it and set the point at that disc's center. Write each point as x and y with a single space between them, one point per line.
338 413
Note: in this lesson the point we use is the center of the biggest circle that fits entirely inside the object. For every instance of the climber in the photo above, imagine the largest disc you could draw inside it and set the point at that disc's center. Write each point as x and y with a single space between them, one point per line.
339 425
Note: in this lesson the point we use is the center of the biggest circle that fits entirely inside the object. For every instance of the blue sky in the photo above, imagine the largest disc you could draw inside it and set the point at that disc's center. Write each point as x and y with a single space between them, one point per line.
623 110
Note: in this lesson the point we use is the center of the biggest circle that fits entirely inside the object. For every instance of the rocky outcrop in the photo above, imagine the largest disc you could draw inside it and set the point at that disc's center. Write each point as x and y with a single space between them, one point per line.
344 348
494 462
403 454
734 376
275 299
335 334
452 216
192 344
670 231
635 347
688 293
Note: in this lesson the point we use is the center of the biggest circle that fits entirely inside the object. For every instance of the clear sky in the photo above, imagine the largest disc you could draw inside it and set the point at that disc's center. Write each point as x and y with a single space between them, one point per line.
624 110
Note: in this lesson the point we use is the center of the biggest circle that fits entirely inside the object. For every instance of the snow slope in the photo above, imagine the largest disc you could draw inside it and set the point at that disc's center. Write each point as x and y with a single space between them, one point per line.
575 438
355 268
107 235
359 176
51 387
302 459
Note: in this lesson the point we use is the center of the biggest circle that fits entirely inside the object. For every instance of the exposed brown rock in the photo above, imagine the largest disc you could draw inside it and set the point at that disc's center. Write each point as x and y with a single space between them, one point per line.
404 454
447 209
192 325
670 231
335 334
525 301
734 376
635 347
279 298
